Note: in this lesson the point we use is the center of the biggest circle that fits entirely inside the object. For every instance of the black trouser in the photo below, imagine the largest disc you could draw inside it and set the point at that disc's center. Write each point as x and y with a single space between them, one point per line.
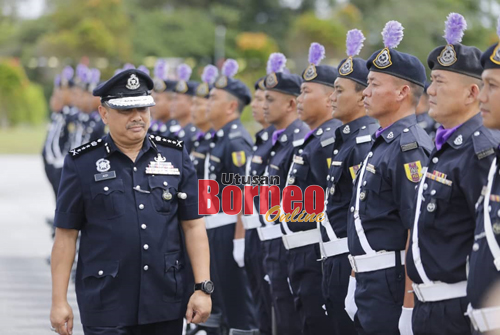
336 273
441 317
231 280
276 266
160 328
304 271
261 291
379 298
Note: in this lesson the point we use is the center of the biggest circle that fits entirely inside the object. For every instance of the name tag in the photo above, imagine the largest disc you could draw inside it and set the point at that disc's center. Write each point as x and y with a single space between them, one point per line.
105 176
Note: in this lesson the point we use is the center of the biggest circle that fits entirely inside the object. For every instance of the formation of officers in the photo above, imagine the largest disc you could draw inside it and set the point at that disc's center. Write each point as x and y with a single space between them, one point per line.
409 244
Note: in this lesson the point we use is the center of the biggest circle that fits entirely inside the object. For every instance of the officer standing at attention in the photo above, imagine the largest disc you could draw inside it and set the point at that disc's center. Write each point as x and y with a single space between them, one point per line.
185 90
199 111
229 149
280 110
254 256
163 93
383 201
484 262
129 280
309 167
352 143
443 230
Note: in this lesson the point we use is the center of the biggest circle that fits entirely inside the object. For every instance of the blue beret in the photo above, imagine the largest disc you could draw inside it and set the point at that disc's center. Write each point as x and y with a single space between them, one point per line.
260 84
398 64
127 89
354 69
321 74
234 87
164 85
490 59
286 83
457 58
186 87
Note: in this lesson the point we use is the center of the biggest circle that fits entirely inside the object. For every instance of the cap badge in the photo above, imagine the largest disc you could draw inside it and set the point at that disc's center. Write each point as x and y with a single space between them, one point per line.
448 56
133 82
271 80
383 59
495 56
160 86
202 90
221 82
347 67
181 87
261 85
310 73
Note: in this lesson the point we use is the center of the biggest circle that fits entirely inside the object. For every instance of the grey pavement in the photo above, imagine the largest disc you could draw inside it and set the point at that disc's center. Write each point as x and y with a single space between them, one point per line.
26 200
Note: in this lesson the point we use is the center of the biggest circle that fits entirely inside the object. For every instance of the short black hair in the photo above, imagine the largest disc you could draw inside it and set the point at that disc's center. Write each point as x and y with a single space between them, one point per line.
358 87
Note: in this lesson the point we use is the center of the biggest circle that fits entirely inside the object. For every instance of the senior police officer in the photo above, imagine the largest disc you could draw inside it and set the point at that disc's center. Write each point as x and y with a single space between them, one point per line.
254 255
309 168
280 110
383 201
484 259
229 149
129 194
352 143
443 230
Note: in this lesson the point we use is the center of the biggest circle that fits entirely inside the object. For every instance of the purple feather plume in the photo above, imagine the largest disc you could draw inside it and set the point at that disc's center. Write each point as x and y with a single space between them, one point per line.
128 66
354 42
276 63
455 26
82 72
316 53
68 72
95 76
392 34
209 74
230 68
144 69
184 72
160 70
57 80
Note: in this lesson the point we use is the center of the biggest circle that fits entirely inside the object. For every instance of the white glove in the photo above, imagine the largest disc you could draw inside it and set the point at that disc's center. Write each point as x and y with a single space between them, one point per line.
239 252
405 321
350 304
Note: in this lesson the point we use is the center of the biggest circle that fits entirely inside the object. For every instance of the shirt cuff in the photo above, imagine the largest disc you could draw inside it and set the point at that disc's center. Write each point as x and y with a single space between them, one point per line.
68 220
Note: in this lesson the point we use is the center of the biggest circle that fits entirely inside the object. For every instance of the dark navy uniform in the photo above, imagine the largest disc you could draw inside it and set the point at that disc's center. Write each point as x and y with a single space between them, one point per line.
442 238
201 147
229 149
254 255
275 254
132 275
379 218
352 143
309 167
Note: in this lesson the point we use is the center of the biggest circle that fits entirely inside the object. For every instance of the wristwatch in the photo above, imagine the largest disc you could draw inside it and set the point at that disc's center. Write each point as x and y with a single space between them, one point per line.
207 287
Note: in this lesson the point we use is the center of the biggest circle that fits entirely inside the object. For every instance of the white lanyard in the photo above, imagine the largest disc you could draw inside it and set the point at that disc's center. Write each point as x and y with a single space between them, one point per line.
488 229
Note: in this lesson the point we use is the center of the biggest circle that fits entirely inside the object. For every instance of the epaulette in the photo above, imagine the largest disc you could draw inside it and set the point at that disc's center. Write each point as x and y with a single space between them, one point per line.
328 136
86 147
409 139
168 142
298 136
485 140
365 133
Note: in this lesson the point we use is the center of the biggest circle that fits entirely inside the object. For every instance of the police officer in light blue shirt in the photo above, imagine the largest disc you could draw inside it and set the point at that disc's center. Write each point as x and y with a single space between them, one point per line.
129 194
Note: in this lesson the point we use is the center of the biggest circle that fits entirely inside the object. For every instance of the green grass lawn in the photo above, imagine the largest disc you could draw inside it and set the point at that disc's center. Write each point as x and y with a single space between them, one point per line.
22 139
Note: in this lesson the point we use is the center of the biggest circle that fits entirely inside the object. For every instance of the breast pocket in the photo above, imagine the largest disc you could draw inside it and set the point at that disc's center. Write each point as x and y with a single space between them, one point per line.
108 199
374 195
163 192
334 192
438 203
301 171
174 277
99 285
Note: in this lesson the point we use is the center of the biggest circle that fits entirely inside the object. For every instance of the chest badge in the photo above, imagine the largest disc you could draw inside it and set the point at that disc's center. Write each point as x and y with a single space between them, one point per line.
161 166
103 165
459 140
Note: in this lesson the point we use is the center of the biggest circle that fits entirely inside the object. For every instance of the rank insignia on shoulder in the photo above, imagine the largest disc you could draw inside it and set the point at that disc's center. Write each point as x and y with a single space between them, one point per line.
173 143
86 147
363 139
239 158
409 146
485 153
413 171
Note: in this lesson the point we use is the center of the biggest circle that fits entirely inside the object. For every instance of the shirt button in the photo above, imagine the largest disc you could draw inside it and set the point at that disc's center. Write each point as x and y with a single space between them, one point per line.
370 154
135 169
273 153
141 206
364 183
212 168
327 177
364 127
352 209
489 209
425 186
212 145
435 160
146 268
498 213
106 188
165 183
146 247
433 192
477 133
143 226
254 172
406 130
335 151
475 247
301 151
100 273
294 170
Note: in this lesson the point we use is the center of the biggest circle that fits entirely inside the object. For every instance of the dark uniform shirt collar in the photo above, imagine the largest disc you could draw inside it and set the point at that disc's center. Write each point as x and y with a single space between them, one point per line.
287 135
465 131
111 147
264 134
395 130
349 129
224 131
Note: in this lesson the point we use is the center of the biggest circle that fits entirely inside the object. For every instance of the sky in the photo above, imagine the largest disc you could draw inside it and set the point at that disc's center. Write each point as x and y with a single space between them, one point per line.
31 9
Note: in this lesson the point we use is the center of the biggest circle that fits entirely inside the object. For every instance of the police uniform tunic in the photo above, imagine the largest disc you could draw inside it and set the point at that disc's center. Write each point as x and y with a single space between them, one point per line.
254 255
442 238
275 255
130 266
229 149
352 143
378 221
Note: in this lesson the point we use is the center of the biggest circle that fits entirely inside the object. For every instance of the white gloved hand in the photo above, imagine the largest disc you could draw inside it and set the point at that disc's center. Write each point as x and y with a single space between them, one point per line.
405 327
239 252
350 304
